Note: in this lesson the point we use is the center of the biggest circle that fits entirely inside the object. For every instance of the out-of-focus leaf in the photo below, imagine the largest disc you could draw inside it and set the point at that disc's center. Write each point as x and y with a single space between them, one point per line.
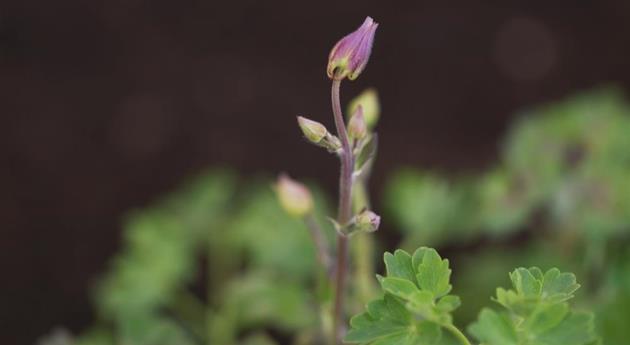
268 299
271 239
429 209
161 249
494 328
536 312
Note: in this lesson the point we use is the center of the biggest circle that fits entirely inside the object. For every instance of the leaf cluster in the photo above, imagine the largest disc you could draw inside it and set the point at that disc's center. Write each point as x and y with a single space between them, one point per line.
569 158
416 308
415 305
536 312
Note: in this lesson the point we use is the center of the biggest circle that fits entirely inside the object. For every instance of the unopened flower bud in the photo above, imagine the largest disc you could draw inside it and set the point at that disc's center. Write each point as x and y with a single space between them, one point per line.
368 100
313 130
367 221
316 133
350 55
357 129
294 197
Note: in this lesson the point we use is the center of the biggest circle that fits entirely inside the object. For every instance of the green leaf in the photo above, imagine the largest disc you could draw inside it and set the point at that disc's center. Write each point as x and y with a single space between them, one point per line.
493 328
383 328
525 283
577 328
449 303
559 286
399 265
433 272
428 332
545 317
399 287
413 308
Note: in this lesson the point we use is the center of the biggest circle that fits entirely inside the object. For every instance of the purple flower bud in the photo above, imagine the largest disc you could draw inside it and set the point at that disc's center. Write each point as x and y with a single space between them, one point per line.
350 55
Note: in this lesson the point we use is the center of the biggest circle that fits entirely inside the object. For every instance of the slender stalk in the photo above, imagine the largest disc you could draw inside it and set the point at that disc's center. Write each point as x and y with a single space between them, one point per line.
345 211
362 250
457 333
324 276
321 247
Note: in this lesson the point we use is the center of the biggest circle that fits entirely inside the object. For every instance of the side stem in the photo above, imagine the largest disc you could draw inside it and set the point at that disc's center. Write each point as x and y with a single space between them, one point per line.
321 247
345 211
458 334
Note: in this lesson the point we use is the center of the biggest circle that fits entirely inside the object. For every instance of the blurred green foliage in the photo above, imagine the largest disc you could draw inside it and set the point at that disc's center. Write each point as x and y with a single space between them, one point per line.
218 261
559 196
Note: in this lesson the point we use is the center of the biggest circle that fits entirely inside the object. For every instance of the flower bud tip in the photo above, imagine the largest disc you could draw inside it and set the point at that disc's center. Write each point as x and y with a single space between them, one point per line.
368 221
350 55
357 129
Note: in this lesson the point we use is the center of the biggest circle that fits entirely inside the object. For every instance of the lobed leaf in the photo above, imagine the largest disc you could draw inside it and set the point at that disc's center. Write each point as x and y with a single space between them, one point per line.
536 312
414 306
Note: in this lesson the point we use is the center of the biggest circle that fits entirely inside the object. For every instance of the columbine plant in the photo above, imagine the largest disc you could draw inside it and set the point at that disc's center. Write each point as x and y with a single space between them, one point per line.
355 145
415 305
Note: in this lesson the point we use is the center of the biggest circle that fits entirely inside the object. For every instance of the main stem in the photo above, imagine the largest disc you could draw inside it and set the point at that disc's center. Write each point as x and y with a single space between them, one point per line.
345 210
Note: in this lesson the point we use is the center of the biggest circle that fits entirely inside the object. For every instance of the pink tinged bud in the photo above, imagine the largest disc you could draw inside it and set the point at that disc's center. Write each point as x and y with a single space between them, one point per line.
357 128
368 221
368 99
350 55
294 197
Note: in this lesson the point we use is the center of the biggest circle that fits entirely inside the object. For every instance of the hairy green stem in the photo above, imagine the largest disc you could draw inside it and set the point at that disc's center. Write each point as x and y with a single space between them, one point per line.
345 211
362 250
457 333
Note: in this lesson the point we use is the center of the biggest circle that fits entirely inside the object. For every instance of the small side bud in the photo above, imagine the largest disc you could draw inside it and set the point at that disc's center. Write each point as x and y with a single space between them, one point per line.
367 221
357 129
313 130
294 197
350 55
368 100
317 134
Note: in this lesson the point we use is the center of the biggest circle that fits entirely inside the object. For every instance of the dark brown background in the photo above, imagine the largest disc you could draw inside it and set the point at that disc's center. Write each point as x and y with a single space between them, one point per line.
105 105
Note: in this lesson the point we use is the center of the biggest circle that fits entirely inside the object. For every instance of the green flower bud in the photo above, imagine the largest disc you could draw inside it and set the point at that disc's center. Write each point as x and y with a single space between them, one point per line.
313 130
367 221
317 134
294 197
368 100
